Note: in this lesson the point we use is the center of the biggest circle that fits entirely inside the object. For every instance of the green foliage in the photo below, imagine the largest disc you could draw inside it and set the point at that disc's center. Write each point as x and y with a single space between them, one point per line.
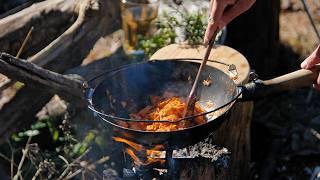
81 147
51 149
190 25
36 129
194 28
164 36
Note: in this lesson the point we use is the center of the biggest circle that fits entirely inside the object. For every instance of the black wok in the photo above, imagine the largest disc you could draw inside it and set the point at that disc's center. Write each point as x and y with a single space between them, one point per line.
113 95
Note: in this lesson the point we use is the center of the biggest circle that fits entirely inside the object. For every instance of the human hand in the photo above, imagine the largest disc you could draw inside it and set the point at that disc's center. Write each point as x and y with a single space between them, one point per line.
310 62
222 12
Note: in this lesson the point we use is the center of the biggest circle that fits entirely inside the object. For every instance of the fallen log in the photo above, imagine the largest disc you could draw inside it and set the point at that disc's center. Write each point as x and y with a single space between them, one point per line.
65 52
50 19
35 76
69 86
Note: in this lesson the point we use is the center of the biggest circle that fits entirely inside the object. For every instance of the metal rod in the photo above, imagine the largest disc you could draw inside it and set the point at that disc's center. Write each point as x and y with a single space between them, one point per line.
191 98
305 6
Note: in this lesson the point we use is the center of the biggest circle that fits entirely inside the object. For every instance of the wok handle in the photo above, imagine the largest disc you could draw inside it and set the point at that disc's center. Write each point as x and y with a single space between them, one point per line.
293 80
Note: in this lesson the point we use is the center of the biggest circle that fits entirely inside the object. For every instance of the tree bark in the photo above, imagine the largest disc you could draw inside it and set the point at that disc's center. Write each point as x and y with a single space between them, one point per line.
49 18
34 76
234 134
65 52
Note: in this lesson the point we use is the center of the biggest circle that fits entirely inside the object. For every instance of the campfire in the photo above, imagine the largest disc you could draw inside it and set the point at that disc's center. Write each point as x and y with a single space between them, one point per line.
142 156
157 163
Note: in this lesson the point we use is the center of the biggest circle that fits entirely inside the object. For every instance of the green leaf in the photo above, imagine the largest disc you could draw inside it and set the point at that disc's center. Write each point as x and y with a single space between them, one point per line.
16 137
38 125
76 148
90 136
31 133
55 135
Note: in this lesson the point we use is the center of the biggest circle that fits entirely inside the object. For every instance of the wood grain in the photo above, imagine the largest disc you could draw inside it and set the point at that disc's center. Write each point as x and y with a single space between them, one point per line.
65 52
220 53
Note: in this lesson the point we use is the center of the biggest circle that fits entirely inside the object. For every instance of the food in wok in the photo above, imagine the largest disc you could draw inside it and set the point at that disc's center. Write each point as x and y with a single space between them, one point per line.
164 108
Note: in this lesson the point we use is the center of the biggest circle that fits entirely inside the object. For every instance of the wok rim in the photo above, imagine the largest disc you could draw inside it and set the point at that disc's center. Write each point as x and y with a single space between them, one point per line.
89 97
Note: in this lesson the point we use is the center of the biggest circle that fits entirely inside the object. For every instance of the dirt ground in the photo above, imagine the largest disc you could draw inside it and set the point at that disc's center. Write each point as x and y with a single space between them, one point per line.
295 28
286 128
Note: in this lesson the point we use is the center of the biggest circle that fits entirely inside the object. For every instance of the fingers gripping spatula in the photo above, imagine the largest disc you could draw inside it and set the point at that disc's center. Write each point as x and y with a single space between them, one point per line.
188 111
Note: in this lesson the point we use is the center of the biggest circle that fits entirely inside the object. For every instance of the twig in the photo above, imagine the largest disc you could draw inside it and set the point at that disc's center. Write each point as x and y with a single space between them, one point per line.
315 133
74 174
24 155
83 177
37 174
82 169
20 176
71 164
102 160
24 42
7 83
305 6
7 159
63 159
89 168
12 159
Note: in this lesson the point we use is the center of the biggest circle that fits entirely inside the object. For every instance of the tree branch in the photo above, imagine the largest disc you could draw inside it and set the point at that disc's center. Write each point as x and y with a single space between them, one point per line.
36 76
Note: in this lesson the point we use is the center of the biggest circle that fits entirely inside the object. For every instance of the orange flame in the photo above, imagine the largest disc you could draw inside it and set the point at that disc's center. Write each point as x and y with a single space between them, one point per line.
150 156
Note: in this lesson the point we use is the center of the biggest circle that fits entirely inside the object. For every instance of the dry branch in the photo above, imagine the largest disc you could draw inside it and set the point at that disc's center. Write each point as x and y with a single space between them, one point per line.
36 76
50 19
65 52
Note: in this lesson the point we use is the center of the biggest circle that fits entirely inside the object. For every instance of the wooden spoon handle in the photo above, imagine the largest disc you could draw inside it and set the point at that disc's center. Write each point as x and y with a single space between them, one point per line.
191 98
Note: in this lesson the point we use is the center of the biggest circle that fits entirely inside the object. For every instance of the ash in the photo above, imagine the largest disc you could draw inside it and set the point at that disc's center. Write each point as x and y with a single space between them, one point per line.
205 149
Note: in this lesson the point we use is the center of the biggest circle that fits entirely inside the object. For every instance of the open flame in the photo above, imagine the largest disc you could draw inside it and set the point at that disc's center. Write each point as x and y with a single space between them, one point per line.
142 156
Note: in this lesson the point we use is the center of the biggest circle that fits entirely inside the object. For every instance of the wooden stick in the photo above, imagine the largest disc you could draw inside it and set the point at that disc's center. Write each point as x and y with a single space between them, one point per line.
191 98
24 42
29 73
7 82
24 155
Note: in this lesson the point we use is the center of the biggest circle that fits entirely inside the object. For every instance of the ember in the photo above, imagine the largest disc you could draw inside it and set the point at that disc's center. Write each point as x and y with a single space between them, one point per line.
160 163
165 109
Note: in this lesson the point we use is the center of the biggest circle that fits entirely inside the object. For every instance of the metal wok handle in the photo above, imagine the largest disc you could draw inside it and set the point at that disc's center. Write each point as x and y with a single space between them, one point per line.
293 80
